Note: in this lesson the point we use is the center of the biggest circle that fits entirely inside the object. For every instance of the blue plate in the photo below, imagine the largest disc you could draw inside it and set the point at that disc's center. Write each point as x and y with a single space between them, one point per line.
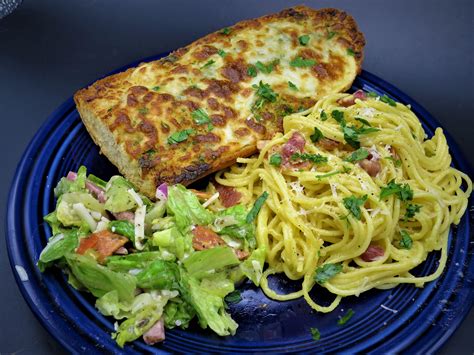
403 318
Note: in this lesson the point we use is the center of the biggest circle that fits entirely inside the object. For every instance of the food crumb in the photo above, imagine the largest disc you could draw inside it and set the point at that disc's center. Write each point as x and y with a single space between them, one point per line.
21 273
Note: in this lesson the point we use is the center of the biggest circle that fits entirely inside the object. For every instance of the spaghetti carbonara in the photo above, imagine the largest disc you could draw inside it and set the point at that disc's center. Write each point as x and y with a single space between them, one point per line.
357 197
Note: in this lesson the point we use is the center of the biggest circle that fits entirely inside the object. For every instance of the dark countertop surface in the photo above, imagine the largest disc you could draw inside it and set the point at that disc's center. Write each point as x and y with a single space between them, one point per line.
49 49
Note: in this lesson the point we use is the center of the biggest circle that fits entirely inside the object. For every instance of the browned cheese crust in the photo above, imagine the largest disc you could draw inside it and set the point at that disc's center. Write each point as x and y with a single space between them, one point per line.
197 110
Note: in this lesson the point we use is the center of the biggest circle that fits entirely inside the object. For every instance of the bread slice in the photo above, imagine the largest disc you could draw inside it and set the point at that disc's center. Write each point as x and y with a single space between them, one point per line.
197 110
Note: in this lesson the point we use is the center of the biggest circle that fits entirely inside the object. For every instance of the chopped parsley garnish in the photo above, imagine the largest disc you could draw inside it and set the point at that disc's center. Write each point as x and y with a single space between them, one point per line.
323 116
222 53
226 31
275 159
403 192
345 318
359 154
200 116
143 110
304 40
155 88
256 207
350 52
292 86
233 297
180 136
315 334
264 93
372 94
396 162
314 158
339 117
405 242
302 63
411 210
351 136
326 272
388 100
252 71
267 69
363 121
332 173
352 204
208 64
331 34
316 136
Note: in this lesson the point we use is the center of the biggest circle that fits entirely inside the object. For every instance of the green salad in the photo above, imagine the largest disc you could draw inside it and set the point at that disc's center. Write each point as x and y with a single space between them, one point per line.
151 265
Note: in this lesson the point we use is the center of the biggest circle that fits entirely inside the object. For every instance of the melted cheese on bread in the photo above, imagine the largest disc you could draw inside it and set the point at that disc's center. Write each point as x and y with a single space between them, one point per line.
195 111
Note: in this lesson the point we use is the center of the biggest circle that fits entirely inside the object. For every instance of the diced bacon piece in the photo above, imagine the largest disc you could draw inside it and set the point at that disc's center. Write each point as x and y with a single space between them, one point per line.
241 254
105 243
329 144
294 145
373 253
371 164
228 195
126 216
96 191
204 238
350 100
155 334
393 152
202 195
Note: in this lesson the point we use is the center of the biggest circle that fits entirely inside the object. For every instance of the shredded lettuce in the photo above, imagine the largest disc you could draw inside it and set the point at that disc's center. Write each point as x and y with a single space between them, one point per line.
78 185
118 197
252 267
160 275
178 313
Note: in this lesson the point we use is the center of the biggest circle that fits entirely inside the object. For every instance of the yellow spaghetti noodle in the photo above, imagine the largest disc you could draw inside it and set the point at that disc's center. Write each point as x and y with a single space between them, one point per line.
305 223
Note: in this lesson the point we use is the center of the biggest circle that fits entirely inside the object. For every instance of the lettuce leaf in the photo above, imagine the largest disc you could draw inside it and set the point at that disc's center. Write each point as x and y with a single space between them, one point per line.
160 275
99 279
186 208
135 261
178 313
209 308
252 267
206 262
118 198
57 247
65 185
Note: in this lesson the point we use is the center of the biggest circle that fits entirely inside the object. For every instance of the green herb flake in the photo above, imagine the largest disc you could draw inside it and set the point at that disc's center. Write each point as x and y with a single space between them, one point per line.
226 31
200 116
316 136
300 62
155 88
208 64
339 117
143 110
363 121
403 192
180 136
292 86
222 53
331 34
315 334
264 94
326 272
411 210
346 317
304 40
323 116
233 297
405 242
252 71
372 94
388 100
256 207
351 136
332 173
314 158
352 204
396 162
359 154
275 159
350 52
